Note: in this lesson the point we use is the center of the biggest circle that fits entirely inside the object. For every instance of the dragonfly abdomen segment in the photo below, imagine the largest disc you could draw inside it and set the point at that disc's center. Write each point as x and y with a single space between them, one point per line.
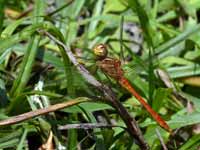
126 84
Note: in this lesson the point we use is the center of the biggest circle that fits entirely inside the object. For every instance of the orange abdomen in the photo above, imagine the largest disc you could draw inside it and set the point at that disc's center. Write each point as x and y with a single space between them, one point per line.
126 84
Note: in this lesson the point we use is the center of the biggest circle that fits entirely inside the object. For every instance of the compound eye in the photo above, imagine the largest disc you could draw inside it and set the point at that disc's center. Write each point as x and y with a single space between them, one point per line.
100 50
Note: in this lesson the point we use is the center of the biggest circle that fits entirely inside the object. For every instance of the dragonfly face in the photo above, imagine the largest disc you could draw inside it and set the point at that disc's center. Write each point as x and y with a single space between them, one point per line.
100 51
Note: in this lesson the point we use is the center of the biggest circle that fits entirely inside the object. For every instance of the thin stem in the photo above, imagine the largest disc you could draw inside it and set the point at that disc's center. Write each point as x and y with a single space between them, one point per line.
87 126
121 37
161 140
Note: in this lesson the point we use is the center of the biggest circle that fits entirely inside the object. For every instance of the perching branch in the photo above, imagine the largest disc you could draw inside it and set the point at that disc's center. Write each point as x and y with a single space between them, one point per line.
130 122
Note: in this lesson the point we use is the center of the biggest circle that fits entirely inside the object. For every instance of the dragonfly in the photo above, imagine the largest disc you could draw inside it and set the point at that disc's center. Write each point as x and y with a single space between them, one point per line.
112 68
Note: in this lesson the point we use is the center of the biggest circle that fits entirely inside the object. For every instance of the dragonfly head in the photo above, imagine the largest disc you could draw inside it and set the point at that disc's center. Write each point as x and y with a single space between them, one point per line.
100 51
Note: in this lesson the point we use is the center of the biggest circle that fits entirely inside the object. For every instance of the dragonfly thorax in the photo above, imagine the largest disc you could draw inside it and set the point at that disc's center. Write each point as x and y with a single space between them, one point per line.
111 67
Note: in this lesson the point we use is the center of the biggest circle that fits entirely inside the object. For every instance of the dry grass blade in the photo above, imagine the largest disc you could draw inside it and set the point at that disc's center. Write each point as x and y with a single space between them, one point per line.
31 114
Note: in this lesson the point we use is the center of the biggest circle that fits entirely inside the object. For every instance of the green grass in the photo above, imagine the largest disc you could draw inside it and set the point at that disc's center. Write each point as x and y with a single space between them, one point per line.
35 72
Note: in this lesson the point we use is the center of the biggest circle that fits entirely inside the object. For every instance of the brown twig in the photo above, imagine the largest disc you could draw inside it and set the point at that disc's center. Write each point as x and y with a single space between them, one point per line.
35 113
130 122
28 10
